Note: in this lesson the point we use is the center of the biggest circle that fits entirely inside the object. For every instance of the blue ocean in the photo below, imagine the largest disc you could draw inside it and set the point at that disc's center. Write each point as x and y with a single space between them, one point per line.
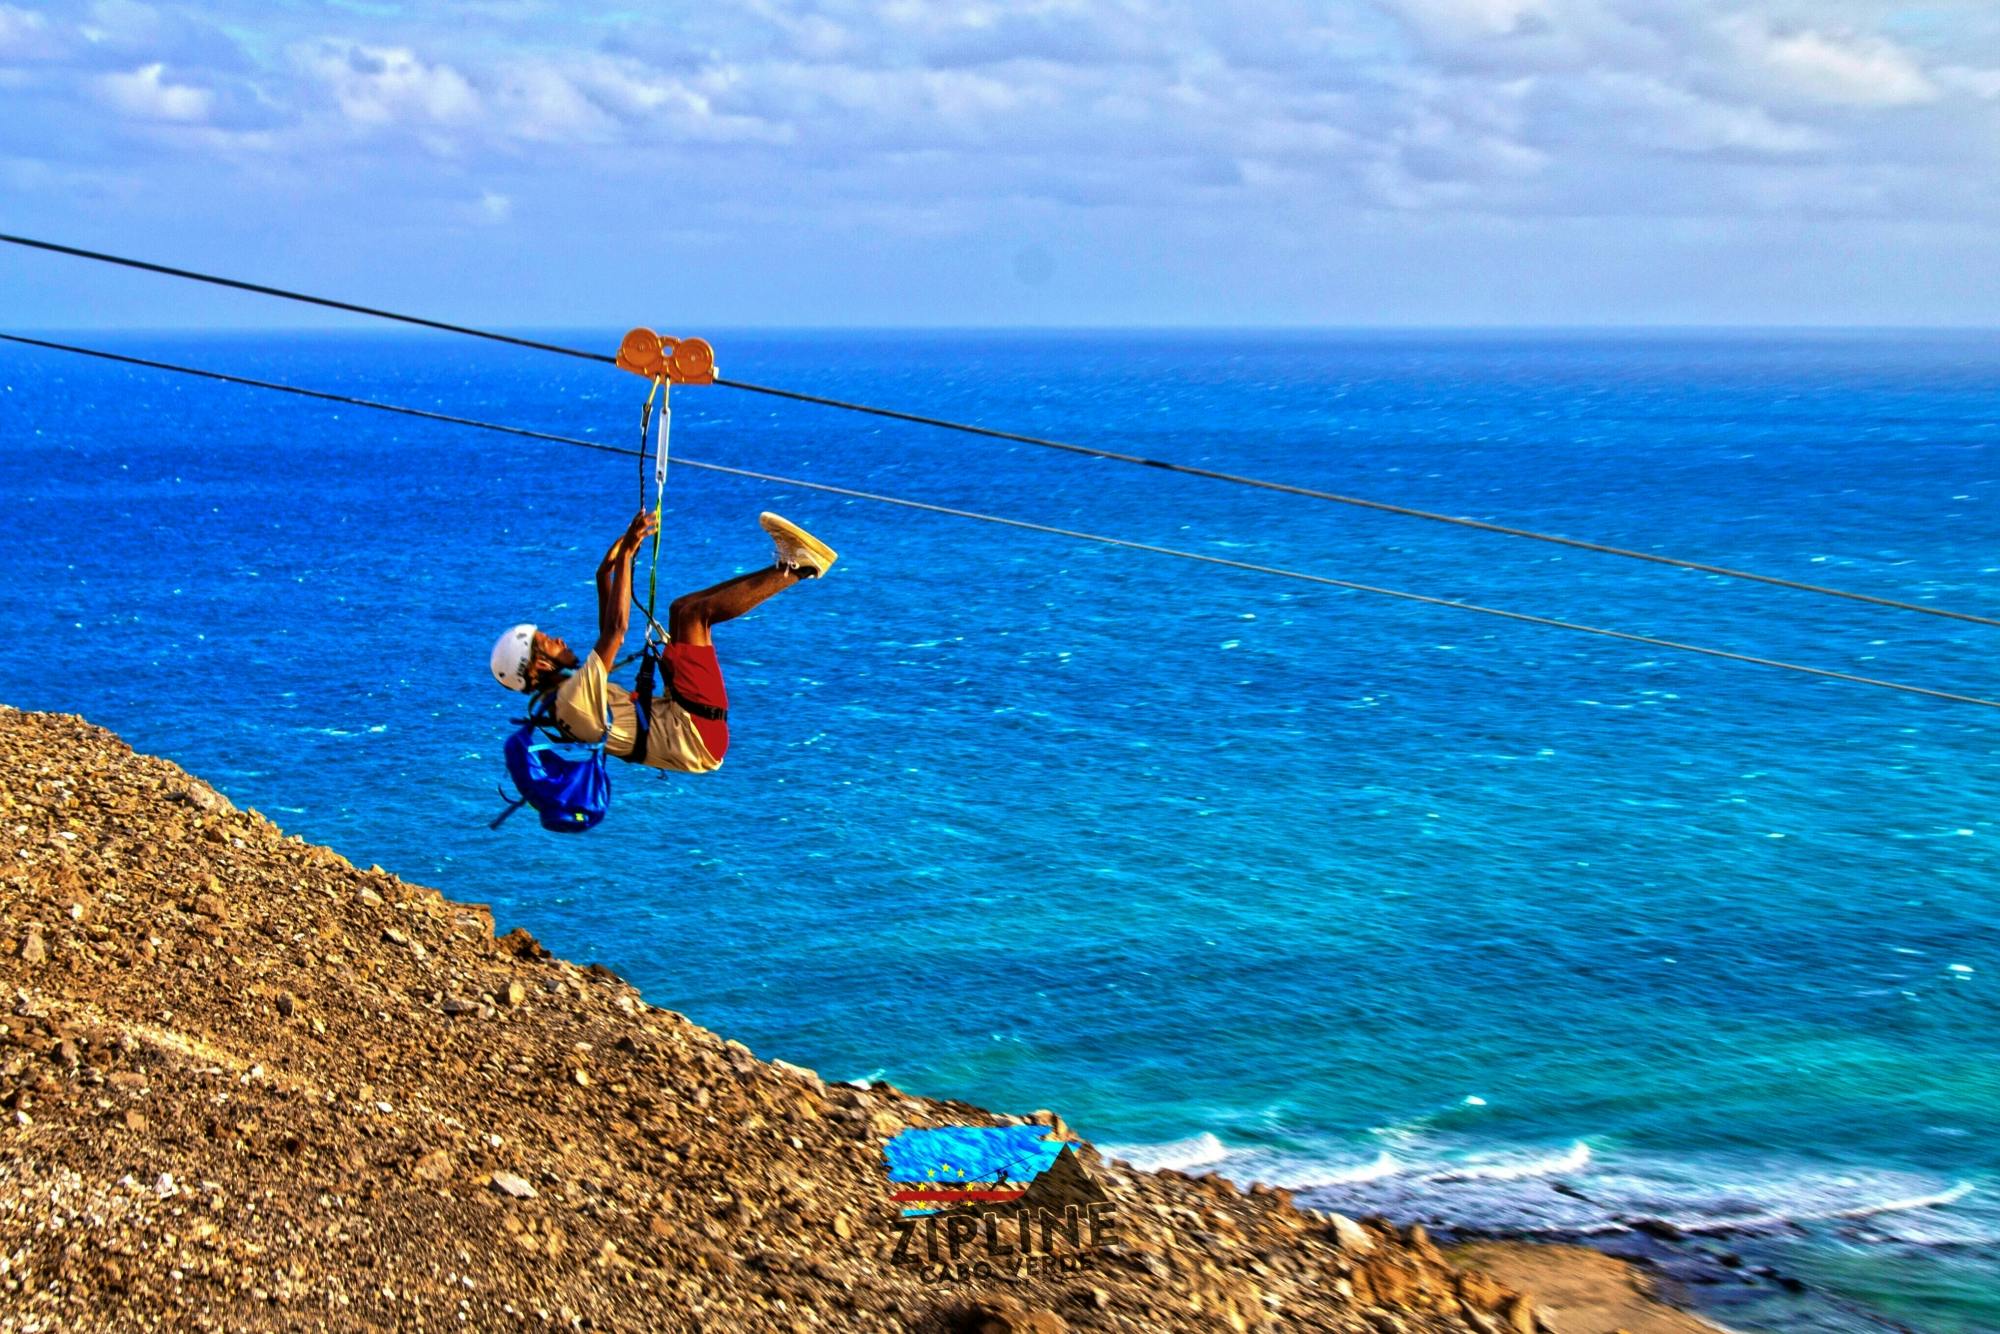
1416 910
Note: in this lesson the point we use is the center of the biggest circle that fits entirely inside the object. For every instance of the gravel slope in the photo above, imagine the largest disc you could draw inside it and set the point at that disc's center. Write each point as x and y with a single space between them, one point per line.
247 1085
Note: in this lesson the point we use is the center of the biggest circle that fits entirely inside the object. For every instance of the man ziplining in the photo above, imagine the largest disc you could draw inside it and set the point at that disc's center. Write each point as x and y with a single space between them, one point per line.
687 723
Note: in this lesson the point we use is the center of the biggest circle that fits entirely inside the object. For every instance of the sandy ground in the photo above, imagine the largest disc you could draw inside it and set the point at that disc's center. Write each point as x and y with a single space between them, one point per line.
1579 1290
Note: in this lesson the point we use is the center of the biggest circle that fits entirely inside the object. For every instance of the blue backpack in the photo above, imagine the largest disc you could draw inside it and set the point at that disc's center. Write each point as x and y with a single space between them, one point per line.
571 793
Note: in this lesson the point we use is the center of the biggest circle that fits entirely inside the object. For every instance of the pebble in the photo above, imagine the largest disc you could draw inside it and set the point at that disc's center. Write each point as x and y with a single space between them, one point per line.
1349 1235
509 1184
800 1072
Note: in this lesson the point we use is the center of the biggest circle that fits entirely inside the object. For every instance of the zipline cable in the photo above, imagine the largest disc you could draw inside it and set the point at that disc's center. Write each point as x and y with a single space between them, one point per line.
1089 451
1362 502
286 294
1074 534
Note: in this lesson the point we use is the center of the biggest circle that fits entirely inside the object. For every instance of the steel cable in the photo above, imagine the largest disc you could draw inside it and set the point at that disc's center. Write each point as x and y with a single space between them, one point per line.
1075 534
1043 442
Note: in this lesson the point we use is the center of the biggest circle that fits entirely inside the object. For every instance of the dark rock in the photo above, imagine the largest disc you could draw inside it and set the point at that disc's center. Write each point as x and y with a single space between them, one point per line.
1658 1228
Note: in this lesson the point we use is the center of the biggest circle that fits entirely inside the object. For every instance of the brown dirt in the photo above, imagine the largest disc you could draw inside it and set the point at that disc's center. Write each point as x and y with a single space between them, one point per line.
1581 1289
244 1084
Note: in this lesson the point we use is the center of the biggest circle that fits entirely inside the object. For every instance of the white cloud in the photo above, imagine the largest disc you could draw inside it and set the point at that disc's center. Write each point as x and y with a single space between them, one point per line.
646 106
146 94
1472 18
378 86
23 34
1159 109
521 103
121 22
1980 83
538 103
1662 115
1851 70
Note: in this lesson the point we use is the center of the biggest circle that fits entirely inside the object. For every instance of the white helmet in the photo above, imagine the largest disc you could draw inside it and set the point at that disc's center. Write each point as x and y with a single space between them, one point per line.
512 652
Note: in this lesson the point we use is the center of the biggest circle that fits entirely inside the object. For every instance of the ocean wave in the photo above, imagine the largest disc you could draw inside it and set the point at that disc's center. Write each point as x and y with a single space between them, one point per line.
1272 1167
1792 1217
1180 1155
1385 1165
1415 1128
1951 1195
1580 1192
1573 1159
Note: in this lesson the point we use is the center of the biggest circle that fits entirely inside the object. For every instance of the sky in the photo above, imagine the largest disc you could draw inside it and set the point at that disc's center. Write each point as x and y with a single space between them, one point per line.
772 163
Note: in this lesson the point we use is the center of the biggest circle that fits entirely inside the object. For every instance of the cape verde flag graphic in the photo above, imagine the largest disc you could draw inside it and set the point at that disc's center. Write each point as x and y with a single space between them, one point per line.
932 1171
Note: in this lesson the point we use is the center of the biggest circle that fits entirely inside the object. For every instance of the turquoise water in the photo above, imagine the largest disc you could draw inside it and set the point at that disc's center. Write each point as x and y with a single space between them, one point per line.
1434 911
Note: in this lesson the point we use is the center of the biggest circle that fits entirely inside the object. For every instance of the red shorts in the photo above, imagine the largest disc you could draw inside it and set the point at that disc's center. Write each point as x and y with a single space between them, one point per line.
698 679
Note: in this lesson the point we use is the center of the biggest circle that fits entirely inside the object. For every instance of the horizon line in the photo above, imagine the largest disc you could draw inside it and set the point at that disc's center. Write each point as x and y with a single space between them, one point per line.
1129 328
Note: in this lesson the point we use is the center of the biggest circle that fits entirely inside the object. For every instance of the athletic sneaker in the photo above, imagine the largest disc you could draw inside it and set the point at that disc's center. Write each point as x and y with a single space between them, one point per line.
798 549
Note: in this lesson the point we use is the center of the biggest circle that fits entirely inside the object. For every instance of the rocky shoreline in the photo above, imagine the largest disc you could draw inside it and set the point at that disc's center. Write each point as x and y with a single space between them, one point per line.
246 1084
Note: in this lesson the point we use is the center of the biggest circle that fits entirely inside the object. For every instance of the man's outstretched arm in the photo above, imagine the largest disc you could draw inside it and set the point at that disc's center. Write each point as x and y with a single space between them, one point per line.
614 588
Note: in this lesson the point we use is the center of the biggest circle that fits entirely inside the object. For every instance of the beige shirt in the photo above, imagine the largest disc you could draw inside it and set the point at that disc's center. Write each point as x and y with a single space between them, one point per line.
582 702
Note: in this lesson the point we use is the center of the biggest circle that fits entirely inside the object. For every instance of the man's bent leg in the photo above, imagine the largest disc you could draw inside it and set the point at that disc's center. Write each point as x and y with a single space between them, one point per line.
691 615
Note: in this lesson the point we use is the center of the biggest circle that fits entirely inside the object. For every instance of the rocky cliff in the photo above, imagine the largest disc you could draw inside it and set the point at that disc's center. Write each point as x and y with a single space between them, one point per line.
248 1085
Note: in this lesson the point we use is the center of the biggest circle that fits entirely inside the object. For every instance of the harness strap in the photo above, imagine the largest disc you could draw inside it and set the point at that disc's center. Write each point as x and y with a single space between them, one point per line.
653 673
542 717
708 711
642 701
652 668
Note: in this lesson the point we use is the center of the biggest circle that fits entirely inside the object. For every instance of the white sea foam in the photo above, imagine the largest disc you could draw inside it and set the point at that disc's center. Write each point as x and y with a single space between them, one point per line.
1180 1155
1573 1159
1939 1200
1385 1165
1826 1213
1783 1219
1580 1193
1830 1212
